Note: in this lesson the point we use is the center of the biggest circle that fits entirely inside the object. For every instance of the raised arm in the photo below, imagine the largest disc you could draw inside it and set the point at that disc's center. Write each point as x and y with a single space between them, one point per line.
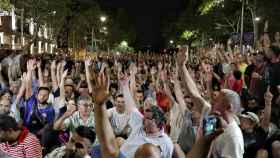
163 77
53 76
10 73
58 72
178 93
21 90
189 84
40 74
104 130
30 71
2 82
267 110
61 86
128 98
87 65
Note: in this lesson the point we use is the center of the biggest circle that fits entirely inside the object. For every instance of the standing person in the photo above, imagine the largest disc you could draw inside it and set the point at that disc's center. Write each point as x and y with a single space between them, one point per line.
18 142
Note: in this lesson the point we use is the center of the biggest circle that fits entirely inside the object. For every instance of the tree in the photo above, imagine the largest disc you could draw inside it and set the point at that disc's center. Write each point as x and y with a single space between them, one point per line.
5 5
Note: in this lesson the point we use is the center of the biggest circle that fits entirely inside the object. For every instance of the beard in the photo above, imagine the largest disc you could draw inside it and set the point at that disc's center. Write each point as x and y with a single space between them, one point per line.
2 112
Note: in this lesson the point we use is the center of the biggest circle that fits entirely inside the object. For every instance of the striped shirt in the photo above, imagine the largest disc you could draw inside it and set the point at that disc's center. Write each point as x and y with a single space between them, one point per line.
118 120
27 146
76 120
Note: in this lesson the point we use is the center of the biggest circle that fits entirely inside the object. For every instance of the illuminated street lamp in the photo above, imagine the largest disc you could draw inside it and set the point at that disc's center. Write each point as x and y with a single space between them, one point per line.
103 18
171 41
257 19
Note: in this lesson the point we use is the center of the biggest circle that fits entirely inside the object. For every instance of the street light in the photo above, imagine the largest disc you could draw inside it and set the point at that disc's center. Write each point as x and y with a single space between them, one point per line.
171 41
257 19
104 28
103 18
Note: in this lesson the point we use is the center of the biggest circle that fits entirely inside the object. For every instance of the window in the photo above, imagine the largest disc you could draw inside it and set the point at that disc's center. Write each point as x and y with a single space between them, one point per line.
1 38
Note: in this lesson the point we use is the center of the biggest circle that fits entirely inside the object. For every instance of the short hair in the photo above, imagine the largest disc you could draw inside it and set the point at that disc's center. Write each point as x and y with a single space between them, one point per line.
237 74
86 132
233 99
7 123
6 91
43 88
119 96
84 98
158 116
140 91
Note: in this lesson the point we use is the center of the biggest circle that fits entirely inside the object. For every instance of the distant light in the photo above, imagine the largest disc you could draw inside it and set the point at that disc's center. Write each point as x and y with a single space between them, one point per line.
257 19
171 41
54 12
104 28
118 53
124 44
103 18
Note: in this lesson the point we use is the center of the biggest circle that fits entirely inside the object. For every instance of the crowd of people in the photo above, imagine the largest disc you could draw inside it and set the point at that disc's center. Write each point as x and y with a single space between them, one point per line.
209 102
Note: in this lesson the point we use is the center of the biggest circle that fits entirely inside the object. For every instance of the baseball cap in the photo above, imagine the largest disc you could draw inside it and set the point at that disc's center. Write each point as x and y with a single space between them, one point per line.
251 116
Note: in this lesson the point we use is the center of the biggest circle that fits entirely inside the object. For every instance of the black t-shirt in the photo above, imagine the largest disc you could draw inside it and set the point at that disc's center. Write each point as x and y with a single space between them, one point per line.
248 73
254 141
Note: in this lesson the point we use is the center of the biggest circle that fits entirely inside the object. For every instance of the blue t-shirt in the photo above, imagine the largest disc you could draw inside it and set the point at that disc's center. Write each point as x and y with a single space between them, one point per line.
47 113
96 153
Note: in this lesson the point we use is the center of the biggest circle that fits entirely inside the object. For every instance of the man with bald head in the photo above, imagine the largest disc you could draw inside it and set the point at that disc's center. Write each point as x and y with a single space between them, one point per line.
148 151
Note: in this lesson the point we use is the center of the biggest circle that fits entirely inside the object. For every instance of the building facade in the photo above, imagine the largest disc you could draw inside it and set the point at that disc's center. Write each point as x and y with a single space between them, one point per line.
16 32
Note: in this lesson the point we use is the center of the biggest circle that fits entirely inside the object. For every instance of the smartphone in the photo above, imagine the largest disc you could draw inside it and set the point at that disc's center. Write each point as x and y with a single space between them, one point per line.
210 125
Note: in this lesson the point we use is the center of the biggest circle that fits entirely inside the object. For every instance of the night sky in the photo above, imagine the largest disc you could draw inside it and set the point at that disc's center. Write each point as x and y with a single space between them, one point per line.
147 15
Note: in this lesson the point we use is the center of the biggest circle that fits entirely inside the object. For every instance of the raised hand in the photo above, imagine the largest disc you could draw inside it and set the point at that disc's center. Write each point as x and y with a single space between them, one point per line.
64 74
70 110
163 75
53 65
31 65
100 90
160 66
268 96
133 69
153 71
123 79
82 77
88 62
38 64
182 56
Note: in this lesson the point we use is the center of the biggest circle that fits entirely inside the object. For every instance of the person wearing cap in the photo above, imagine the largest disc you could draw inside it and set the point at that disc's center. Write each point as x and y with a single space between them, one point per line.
255 130
69 88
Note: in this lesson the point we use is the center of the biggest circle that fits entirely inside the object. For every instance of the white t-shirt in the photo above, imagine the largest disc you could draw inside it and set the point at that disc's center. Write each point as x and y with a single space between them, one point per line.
230 144
118 120
139 137
176 122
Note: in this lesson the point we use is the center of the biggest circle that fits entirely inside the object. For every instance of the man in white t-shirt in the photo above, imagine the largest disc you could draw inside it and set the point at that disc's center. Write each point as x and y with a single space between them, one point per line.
148 129
119 117
230 144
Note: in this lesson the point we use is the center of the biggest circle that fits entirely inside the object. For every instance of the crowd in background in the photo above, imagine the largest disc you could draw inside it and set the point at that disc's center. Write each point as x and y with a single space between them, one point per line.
148 105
